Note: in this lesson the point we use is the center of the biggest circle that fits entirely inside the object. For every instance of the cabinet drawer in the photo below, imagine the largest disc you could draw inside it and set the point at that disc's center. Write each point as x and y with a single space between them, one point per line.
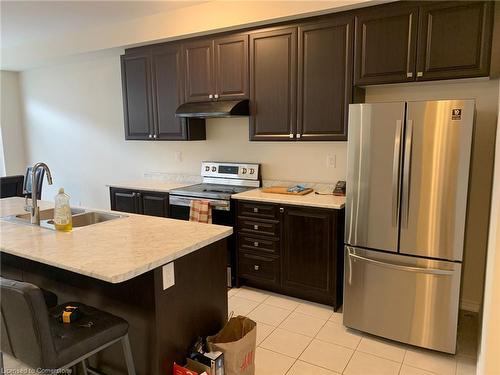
254 209
258 267
264 245
260 227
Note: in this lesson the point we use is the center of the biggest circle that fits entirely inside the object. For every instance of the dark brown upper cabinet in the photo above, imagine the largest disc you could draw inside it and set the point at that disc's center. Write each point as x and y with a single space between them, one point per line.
325 79
168 92
385 44
199 59
454 39
137 98
231 67
216 69
153 88
273 84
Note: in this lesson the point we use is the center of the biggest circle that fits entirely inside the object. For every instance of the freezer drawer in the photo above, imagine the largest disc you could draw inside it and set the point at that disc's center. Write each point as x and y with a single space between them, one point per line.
408 299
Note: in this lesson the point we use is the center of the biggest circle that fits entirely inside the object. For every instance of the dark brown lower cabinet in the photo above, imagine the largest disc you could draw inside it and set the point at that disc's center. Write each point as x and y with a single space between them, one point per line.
139 202
301 256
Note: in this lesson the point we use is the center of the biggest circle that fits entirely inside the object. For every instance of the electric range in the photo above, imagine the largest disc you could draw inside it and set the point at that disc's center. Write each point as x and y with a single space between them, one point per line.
220 181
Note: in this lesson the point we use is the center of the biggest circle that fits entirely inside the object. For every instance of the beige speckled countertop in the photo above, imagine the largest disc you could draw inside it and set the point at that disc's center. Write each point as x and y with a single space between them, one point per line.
113 251
311 199
150 185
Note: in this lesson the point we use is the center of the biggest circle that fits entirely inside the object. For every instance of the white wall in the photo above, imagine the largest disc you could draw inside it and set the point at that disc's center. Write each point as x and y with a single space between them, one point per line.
11 137
74 122
489 353
486 95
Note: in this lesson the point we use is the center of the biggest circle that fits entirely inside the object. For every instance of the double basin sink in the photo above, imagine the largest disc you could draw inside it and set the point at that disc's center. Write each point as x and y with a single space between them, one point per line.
80 218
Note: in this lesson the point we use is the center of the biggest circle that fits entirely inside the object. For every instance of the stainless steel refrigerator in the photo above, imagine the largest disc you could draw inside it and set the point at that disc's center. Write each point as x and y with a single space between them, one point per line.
407 184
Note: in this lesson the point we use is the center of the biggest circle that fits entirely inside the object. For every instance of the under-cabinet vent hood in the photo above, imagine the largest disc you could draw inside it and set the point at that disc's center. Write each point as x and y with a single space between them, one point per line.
223 108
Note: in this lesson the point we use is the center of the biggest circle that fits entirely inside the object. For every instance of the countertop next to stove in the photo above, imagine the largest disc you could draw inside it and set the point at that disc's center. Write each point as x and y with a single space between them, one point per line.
151 185
310 200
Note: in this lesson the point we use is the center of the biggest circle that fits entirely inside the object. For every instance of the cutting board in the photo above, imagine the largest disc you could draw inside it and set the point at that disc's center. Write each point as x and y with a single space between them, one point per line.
283 190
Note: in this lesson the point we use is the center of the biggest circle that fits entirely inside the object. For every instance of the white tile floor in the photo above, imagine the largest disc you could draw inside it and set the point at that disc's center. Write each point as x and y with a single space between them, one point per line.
296 337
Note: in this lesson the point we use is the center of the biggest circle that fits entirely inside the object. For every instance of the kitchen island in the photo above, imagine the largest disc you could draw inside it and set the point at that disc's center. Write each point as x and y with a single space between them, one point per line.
123 266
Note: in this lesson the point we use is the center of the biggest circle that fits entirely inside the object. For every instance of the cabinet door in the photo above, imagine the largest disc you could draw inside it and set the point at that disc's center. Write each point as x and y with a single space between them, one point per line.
124 201
198 60
385 44
231 67
454 39
325 79
273 72
168 87
136 86
153 204
308 262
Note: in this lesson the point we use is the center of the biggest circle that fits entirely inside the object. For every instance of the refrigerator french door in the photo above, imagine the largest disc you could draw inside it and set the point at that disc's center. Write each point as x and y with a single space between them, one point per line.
407 184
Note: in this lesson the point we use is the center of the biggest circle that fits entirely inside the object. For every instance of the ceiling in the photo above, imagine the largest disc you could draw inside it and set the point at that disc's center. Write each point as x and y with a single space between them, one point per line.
28 21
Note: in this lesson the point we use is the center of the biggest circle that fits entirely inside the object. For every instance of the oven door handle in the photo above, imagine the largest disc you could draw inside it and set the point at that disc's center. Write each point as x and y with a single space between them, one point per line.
216 204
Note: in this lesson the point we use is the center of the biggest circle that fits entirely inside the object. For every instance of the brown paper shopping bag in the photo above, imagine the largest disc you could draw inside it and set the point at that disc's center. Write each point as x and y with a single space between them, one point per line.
237 341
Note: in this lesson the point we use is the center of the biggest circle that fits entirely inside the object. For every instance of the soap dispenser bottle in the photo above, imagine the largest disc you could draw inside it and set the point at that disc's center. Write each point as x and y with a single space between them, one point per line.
62 212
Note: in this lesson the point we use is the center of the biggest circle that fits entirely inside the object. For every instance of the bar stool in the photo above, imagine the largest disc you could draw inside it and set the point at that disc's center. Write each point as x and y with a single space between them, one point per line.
33 334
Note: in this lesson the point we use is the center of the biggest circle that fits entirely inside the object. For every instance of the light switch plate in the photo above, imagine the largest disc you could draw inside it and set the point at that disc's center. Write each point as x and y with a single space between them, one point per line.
168 275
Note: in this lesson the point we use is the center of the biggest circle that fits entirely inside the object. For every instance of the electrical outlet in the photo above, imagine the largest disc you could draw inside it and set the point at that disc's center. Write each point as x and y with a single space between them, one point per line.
168 275
331 161
178 156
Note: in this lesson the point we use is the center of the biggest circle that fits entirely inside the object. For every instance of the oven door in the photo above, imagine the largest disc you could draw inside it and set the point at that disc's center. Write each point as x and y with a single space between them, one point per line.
222 214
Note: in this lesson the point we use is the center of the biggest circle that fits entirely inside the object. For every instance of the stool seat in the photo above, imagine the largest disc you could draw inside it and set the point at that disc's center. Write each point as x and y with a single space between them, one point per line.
94 329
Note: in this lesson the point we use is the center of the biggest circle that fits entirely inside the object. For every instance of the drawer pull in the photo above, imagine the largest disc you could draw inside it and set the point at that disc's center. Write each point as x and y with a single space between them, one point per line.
256 267
255 209
256 244
282 209
256 227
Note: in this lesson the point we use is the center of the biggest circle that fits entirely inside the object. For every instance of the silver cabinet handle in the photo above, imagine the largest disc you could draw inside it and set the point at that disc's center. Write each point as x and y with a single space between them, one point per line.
216 96
395 172
406 173
155 136
210 96
151 136
409 75
291 135
255 209
256 267
282 209
420 74
256 227
298 135
432 271
256 244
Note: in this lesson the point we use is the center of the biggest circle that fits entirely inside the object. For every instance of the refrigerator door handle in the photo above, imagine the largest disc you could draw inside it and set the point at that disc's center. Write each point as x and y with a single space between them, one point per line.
406 173
432 271
395 173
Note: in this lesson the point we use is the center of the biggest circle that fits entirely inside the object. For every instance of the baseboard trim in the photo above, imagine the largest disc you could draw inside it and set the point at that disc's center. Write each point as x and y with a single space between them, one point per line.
469 305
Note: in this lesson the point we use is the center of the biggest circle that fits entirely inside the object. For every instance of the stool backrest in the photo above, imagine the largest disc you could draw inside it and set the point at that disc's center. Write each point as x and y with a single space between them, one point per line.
25 323
28 182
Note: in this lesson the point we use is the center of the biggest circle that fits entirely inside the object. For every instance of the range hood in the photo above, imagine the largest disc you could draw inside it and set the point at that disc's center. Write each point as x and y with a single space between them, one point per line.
223 108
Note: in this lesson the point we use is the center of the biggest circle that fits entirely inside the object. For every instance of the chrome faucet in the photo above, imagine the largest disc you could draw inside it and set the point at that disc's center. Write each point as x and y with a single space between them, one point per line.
34 209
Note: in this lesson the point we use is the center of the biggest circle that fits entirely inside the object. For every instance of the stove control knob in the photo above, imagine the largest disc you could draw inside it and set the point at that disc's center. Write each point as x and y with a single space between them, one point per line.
244 171
214 169
207 169
252 171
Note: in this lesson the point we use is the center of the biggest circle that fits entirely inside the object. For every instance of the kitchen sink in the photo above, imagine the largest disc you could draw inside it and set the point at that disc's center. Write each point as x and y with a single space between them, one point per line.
79 216
89 218
45 214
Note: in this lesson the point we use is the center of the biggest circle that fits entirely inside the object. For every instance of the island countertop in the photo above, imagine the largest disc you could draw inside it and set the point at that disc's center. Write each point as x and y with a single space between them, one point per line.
112 251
